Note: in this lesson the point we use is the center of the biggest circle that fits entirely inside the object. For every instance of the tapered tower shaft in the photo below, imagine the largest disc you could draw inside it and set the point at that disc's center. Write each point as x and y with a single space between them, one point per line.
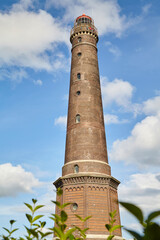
86 141
86 177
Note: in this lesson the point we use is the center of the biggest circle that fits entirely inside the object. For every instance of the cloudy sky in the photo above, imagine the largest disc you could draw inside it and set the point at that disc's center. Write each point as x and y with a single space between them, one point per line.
34 84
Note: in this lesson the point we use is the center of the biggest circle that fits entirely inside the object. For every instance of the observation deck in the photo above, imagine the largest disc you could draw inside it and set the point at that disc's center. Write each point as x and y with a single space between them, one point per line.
84 25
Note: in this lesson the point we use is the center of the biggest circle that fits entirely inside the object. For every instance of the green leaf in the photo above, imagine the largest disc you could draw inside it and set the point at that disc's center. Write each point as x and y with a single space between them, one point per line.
37 225
86 218
71 237
64 216
29 238
69 232
115 227
56 203
27 230
63 227
33 232
47 233
34 200
14 230
37 207
108 226
57 217
65 204
29 217
112 214
59 191
83 219
134 234
41 233
29 206
110 237
79 217
52 218
153 215
136 211
42 224
36 218
84 230
152 231
12 221
5 238
6 230
58 232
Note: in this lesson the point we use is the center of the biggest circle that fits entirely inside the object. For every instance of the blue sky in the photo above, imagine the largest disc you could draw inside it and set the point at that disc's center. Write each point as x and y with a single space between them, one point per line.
34 84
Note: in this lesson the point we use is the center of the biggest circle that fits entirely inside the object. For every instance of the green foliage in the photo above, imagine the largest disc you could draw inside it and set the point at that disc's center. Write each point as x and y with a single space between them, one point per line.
151 230
60 229
10 232
110 226
35 230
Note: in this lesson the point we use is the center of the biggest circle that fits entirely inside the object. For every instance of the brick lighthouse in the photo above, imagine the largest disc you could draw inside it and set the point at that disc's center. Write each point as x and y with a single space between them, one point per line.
86 175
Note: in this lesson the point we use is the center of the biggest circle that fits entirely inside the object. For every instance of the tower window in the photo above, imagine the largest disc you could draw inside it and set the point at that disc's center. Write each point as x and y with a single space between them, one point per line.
77 118
79 39
78 93
78 76
74 207
79 54
76 169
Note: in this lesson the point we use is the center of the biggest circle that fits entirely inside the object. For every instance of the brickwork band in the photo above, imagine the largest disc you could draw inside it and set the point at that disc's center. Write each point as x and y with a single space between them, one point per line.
86 176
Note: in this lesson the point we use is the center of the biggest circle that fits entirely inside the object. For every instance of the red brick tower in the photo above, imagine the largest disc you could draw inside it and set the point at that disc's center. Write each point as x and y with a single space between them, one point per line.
86 176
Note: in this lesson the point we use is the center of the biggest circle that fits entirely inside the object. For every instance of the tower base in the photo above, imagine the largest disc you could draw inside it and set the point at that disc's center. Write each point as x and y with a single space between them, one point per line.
91 195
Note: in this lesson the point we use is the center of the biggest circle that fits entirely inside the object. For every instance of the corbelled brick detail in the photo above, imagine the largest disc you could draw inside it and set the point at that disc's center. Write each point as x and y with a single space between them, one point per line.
86 175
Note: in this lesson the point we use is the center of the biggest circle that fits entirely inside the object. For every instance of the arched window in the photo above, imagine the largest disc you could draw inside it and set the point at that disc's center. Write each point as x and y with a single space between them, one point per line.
76 168
78 76
77 118
79 54
79 39
74 207
78 93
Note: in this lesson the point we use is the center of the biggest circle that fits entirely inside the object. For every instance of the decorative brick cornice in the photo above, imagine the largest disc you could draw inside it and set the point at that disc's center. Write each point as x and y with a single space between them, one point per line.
88 32
86 179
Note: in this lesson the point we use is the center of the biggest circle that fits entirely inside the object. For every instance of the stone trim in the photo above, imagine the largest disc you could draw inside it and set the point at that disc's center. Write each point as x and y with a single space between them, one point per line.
84 43
99 236
78 161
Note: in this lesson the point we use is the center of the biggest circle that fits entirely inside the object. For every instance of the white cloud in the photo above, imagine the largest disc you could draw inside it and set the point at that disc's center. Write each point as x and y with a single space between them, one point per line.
113 119
38 82
15 180
26 36
106 14
61 62
143 190
117 91
14 75
23 5
151 106
62 121
146 8
113 49
142 146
